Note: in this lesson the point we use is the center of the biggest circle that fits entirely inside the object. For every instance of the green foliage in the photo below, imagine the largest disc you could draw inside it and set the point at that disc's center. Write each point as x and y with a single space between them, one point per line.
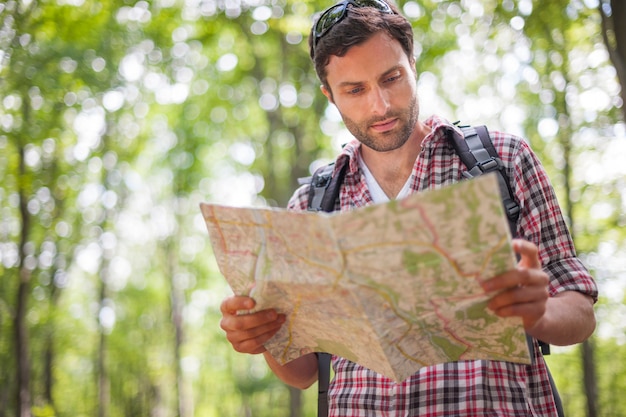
117 118
565 366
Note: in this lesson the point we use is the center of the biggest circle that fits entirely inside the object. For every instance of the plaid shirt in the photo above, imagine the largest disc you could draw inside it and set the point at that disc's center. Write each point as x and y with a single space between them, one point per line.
464 388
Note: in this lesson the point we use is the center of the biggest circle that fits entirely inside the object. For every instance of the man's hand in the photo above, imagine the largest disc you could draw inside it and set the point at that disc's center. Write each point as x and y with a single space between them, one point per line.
562 320
248 332
522 291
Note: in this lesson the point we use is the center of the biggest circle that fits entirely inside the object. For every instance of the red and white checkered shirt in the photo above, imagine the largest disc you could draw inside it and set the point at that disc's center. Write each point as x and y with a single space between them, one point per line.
464 388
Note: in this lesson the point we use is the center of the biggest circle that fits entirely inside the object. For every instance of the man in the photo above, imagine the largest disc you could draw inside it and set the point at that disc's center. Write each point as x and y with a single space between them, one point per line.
363 55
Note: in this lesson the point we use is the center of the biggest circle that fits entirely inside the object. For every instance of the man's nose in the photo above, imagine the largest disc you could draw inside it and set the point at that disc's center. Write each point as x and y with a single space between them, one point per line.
379 101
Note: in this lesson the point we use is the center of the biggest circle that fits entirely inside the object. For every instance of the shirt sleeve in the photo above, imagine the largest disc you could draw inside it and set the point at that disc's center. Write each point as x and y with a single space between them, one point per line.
541 221
300 199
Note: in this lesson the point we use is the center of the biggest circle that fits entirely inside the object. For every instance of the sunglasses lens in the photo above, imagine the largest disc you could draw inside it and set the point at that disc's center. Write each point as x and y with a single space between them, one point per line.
376 4
329 18
337 12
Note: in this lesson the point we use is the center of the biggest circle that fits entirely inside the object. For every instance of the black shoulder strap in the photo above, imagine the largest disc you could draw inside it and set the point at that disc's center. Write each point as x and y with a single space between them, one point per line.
323 380
477 152
324 189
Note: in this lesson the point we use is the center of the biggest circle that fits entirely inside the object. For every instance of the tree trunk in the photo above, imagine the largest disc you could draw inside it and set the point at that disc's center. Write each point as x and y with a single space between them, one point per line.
104 387
588 359
177 304
590 378
49 353
48 366
22 346
21 328
295 402
4 400
104 392
614 34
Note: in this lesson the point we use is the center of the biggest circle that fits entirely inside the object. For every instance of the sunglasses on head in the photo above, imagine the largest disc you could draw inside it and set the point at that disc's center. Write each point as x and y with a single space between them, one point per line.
333 15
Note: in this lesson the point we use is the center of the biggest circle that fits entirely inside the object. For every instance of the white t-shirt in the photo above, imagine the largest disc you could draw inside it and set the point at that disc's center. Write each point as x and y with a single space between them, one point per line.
378 195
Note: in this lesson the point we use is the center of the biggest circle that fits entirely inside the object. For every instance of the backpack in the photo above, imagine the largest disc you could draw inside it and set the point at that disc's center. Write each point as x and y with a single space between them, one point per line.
477 152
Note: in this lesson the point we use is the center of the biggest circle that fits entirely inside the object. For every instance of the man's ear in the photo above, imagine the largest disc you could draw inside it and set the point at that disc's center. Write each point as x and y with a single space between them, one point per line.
327 93
412 59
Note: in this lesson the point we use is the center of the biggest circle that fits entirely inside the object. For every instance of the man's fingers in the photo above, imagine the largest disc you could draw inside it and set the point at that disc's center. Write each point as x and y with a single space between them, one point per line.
529 254
516 298
528 272
248 322
521 292
254 344
232 305
516 278
248 333
529 312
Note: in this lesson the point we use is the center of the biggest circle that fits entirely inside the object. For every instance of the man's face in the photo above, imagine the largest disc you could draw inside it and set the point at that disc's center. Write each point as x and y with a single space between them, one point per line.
374 89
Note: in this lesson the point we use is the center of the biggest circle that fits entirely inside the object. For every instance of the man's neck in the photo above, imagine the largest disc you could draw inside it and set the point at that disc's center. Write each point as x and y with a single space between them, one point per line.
392 169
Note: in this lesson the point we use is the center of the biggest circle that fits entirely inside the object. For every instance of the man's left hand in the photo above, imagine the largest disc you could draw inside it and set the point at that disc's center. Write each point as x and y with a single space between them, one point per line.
522 291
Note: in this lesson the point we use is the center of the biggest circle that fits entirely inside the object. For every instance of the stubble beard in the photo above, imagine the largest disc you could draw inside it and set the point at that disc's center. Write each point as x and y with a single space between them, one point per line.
388 141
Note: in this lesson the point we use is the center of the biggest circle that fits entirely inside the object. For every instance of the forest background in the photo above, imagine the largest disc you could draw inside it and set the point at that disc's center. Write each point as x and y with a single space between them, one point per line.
118 117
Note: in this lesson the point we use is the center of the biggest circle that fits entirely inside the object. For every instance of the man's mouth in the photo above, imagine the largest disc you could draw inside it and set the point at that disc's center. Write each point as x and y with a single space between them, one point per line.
385 125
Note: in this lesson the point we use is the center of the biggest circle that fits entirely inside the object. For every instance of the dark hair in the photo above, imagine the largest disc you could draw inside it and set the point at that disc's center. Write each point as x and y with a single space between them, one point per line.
359 25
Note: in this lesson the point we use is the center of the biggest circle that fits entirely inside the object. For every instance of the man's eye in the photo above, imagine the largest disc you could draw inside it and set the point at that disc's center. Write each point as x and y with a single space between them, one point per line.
355 91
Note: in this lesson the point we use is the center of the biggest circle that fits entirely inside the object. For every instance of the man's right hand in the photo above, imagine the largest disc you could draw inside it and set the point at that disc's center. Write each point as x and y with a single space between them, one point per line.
248 332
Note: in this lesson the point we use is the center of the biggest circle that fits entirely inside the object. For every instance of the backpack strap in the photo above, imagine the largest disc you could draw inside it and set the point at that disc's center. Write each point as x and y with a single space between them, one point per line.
323 378
324 189
477 152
